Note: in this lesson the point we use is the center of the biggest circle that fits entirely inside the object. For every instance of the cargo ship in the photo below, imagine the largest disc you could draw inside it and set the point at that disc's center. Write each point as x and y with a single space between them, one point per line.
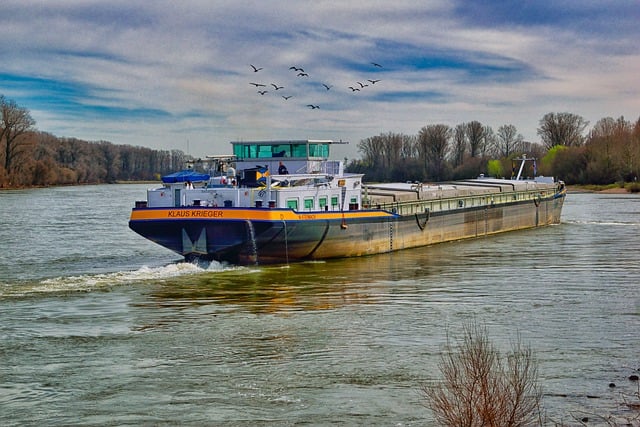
285 201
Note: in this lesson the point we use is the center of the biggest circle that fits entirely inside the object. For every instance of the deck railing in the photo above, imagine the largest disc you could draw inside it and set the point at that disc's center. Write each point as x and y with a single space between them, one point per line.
456 203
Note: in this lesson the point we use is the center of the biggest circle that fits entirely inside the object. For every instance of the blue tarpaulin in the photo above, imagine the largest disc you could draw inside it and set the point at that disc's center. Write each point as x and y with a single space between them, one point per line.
184 176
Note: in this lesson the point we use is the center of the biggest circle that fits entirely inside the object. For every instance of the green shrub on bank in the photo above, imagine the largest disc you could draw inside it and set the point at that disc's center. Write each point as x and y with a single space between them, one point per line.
633 187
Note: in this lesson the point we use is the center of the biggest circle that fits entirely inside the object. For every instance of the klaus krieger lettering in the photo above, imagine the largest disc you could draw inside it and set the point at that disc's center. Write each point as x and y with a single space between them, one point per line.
195 214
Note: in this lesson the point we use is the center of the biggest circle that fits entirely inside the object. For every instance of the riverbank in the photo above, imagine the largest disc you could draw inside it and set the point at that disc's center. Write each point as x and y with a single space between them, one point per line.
606 189
611 188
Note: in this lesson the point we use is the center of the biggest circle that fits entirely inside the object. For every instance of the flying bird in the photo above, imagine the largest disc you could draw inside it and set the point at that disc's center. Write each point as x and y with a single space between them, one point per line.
287 97
296 69
276 86
373 81
376 65
262 92
303 74
362 85
327 86
313 107
255 69
354 89
257 84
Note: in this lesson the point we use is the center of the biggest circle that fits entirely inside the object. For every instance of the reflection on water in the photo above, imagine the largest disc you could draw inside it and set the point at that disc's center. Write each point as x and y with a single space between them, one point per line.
440 270
317 285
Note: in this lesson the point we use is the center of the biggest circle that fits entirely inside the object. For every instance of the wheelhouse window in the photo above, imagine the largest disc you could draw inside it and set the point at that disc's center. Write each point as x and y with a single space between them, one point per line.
308 203
322 202
245 151
269 151
292 204
319 150
299 150
281 150
334 202
264 152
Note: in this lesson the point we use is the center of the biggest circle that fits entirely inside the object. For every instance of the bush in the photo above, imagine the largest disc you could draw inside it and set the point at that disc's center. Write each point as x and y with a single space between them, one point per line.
479 388
633 187
494 169
471 168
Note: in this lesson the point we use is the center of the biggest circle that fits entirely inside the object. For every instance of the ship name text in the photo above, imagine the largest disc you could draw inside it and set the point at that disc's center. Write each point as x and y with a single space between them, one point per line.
200 213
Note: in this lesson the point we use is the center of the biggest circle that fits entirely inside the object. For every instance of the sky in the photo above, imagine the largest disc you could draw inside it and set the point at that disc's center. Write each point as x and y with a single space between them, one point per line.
169 74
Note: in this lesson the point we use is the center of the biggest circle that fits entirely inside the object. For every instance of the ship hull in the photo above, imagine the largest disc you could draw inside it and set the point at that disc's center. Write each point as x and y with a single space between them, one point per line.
267 236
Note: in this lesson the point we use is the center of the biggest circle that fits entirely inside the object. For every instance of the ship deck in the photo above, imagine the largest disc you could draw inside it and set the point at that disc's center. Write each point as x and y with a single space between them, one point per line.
409 192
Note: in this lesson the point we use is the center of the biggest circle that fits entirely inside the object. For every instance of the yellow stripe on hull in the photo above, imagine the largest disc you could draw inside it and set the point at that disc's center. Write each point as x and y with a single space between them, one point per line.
251 214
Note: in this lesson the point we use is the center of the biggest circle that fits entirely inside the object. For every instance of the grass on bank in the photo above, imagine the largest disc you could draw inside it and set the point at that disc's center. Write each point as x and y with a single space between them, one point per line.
622 187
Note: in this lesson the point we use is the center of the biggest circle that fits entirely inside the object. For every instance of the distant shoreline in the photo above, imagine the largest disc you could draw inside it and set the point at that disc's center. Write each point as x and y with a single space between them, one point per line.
29 187
137 182
604 189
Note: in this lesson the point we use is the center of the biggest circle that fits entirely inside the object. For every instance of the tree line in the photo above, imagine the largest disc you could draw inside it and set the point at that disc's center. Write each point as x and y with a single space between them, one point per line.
31 158
608 153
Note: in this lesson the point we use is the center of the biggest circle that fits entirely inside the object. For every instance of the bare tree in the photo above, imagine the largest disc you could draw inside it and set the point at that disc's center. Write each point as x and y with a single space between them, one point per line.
480 388
613 152
507 140
371 149
489 142
634 147
459 145
409 147
109 157
392 148
562 129
15 121
382 153
433 145
477 136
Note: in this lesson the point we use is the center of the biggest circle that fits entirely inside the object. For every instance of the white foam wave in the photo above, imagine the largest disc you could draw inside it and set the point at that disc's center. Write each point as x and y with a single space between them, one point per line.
612 223
91 282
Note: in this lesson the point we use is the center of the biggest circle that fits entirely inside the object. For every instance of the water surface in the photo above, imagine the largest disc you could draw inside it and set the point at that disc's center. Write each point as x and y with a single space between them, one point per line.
100 327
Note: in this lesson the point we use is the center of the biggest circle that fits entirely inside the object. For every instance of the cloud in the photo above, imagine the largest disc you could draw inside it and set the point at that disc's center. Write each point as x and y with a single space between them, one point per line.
170 74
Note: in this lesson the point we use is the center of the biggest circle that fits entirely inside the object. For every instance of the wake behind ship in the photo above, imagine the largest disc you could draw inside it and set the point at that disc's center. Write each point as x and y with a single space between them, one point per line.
310 209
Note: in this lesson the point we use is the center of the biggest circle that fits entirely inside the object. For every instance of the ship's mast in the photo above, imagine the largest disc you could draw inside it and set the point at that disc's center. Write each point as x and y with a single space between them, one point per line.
524 160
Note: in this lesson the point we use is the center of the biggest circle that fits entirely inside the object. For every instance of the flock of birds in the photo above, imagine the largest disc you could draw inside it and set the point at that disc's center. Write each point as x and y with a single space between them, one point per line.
264 88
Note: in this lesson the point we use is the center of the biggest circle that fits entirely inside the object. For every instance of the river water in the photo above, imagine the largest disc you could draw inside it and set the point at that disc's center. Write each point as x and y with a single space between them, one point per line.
101 327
